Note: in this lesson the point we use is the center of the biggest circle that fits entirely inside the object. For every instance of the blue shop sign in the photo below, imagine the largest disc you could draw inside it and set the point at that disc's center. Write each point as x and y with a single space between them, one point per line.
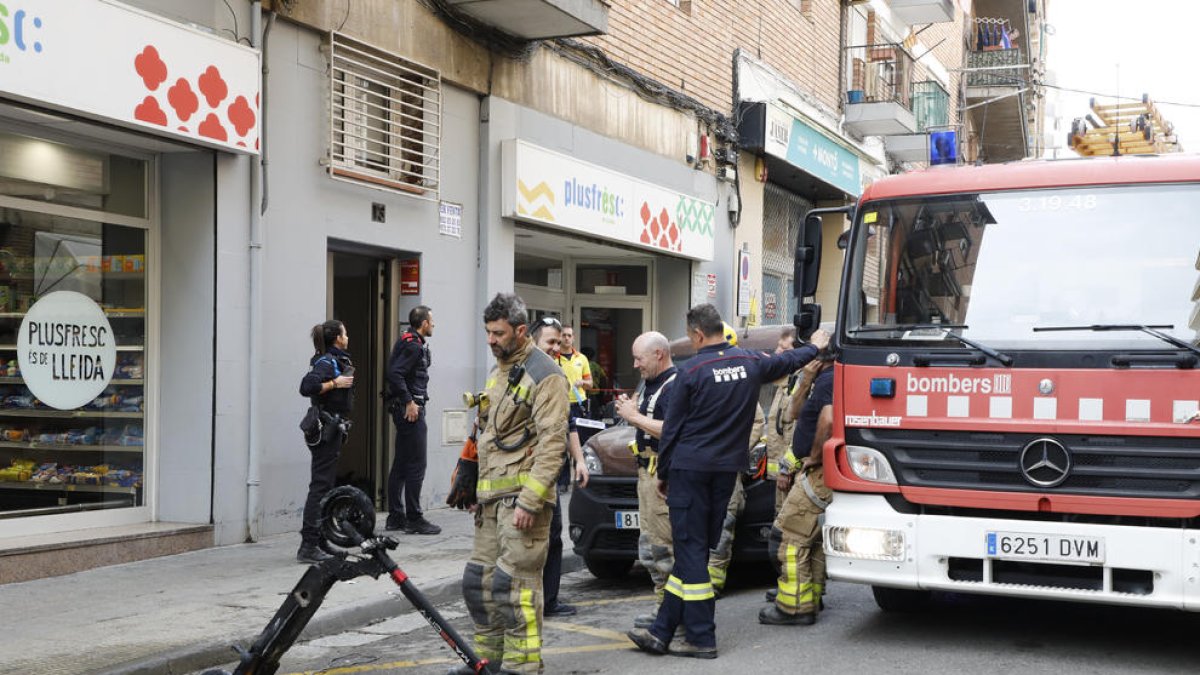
803 146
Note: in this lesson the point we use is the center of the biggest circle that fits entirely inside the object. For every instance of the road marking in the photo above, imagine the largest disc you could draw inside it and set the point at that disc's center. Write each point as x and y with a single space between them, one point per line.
395 665
588 630
613 601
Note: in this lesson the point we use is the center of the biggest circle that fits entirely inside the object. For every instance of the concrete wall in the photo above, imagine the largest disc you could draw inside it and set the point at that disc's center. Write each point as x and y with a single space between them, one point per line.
186 327
308 209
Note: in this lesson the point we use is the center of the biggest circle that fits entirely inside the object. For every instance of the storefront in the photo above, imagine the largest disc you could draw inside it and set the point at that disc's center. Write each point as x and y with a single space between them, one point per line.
611 253
109 187
800 166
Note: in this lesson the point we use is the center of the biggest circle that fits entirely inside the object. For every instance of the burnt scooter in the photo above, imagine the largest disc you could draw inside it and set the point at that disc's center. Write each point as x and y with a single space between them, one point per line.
347 522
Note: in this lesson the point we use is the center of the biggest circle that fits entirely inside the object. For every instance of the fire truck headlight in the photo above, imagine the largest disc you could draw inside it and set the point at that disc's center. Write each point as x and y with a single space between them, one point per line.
865 542
870 464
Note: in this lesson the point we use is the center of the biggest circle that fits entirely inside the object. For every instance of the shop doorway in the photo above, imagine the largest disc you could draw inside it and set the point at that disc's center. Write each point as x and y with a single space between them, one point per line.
606 333
359 296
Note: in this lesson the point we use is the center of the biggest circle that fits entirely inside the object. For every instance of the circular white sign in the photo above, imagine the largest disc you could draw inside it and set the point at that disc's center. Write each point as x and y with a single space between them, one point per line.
66 350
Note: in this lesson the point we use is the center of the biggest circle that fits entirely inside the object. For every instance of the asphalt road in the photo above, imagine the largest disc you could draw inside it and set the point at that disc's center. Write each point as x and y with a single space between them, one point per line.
959 634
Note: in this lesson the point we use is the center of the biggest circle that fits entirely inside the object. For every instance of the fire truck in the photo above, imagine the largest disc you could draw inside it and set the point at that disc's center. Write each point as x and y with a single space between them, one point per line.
1016 389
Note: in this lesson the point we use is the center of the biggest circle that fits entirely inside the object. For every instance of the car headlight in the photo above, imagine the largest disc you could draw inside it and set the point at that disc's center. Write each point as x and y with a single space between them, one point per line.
870 464
865 542
592 461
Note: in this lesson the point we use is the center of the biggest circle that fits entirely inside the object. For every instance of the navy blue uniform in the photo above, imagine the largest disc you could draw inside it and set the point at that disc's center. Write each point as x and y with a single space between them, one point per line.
552 572
661 397
806 422
337 402
703 448
408 381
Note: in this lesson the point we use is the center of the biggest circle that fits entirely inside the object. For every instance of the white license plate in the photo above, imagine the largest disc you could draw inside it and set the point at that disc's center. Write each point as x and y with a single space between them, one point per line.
1051 547
628 520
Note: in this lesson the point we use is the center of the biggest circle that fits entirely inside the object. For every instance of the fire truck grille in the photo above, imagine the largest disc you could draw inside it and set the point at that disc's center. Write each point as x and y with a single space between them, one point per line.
1112 466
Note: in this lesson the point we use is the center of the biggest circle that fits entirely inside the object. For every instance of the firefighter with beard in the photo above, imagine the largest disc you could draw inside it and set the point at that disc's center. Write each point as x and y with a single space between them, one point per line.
522 444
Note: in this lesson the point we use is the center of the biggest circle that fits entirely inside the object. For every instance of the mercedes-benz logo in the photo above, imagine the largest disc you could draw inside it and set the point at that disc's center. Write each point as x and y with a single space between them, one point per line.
1045 462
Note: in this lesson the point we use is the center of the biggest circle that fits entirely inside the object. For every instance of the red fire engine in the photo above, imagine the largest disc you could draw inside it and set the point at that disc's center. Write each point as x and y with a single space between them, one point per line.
1016 390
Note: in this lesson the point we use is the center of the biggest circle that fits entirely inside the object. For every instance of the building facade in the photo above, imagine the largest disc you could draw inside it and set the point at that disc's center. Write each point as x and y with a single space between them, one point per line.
353 160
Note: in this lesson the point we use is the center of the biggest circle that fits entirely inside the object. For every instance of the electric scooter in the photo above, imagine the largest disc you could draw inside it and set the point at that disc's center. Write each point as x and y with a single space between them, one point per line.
347 522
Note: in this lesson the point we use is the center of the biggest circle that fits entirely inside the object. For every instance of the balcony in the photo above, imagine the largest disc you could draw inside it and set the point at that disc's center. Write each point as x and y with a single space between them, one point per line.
538 19
913 12
879 100
931 108
997 84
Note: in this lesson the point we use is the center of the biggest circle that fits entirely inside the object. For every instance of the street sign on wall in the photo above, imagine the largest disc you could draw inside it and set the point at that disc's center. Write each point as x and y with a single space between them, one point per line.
105 60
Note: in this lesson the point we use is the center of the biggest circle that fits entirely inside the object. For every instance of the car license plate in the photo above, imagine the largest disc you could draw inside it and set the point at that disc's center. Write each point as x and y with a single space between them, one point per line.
628 520
1051 547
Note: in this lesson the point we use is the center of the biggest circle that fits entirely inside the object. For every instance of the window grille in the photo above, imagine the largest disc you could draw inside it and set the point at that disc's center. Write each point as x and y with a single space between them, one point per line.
783 215
385 119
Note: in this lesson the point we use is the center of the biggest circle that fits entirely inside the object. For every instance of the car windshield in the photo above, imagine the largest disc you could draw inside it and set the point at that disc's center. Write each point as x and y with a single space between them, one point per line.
998 265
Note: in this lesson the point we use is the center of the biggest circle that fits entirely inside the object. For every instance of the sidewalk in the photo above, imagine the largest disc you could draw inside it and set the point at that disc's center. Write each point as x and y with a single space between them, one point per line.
181 613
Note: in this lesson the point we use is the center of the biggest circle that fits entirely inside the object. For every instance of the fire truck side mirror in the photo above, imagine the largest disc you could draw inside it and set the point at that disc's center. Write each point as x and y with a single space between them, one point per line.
807 268
808 320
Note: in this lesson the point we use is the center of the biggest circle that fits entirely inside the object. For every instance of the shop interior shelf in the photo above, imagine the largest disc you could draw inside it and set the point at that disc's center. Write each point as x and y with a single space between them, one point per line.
64 487
69 414
67 447
115 381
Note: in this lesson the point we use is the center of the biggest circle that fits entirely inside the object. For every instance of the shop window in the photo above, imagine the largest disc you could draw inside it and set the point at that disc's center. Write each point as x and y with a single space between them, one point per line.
534 270
612 279
57 458
386 119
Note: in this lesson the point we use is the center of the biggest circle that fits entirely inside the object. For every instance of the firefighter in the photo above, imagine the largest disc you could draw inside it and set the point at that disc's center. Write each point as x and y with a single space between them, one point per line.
701 452
652 359
522 443
722 554
780 418
795 540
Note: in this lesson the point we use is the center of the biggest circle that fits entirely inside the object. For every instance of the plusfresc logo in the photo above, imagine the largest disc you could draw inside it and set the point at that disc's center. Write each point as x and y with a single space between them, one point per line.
20 30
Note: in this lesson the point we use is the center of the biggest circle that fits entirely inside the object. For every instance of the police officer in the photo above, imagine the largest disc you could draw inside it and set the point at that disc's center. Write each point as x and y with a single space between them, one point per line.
652 359
795 540
522 442
700 454
408 382
329 385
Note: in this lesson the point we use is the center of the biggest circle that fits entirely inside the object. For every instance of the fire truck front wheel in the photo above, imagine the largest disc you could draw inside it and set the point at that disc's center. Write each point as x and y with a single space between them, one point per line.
901 599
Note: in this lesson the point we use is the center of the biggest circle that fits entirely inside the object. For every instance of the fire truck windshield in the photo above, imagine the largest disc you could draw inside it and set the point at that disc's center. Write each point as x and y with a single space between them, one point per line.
995 265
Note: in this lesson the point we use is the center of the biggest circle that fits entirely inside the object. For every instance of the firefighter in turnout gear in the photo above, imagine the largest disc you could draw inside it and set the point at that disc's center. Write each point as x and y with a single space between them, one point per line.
795 540
652 359
780 420
522 444
702 451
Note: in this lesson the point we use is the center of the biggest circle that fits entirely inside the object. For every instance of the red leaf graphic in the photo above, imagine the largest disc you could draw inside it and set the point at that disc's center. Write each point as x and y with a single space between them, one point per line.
150 67
183 99
148 111
241 116
211 128
213 87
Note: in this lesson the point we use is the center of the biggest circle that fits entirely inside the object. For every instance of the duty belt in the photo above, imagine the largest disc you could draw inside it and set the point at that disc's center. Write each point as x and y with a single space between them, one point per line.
812 494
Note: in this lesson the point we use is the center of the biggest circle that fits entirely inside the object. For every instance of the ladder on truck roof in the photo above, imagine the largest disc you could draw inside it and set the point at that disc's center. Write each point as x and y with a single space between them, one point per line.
1136 128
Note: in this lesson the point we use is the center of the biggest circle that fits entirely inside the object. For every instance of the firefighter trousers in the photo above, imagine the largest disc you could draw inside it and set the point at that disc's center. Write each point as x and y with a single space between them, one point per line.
795 545
654 541
502 586
697 501
721 554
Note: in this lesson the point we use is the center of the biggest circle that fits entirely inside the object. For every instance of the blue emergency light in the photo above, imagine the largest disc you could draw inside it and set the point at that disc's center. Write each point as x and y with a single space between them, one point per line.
883 387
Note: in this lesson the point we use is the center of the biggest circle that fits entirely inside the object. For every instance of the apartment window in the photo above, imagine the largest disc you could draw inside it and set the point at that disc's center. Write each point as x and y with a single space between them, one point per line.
385 119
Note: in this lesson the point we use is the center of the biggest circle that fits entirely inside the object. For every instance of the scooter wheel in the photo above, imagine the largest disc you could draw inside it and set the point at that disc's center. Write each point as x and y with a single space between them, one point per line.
347 516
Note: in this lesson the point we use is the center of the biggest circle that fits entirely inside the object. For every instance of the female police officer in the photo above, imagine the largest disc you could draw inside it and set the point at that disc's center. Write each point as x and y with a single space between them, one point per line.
328 385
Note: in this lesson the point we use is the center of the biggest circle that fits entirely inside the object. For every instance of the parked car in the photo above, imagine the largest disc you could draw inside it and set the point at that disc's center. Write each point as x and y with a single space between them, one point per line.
602 517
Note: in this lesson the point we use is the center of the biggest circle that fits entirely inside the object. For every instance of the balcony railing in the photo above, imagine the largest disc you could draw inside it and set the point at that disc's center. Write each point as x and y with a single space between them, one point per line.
879 73
930 104
999 68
